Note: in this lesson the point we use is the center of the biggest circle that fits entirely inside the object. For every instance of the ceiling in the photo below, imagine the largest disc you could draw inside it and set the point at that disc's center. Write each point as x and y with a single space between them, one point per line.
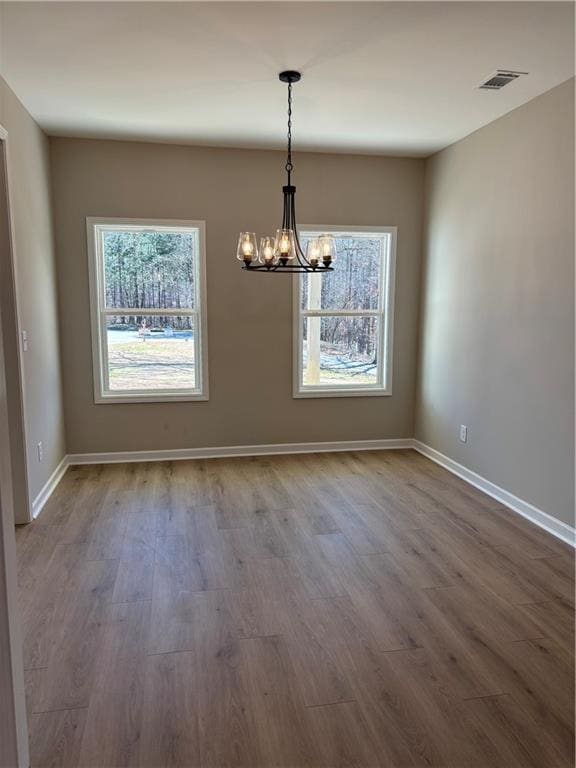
384 78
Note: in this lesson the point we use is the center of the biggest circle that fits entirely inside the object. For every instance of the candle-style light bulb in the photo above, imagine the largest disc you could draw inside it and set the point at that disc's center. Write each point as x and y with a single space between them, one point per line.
267 256
247 250
284 247
327 249
313 252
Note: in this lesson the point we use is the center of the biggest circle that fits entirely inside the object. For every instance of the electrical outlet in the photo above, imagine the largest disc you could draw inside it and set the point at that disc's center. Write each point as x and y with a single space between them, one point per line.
463 433
40 449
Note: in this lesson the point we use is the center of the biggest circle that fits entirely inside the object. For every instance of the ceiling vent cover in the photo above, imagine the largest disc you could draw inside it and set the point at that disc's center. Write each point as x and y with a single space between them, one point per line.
500 78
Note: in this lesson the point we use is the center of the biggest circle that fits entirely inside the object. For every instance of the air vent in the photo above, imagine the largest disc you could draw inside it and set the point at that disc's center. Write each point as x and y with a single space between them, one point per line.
499 79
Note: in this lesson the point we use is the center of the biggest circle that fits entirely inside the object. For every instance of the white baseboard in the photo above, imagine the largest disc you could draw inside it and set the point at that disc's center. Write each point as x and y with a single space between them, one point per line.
238 450
49 487
529 511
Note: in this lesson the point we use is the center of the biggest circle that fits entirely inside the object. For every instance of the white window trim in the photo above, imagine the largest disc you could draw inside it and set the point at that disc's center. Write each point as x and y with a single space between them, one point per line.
98 315
386 340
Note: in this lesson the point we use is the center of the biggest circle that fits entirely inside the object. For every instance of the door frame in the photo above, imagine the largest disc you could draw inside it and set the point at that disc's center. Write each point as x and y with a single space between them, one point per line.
14 359
14 748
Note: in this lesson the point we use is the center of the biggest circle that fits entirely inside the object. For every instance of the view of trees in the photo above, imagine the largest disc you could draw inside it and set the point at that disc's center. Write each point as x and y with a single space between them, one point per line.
149 270
354 284
347 346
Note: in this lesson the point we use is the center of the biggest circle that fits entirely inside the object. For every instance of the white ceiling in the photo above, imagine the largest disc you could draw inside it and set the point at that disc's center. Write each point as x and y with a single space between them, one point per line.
391 77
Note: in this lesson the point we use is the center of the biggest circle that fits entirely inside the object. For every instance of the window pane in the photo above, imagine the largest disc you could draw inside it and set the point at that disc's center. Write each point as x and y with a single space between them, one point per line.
355 282
150 353
150 269
340 350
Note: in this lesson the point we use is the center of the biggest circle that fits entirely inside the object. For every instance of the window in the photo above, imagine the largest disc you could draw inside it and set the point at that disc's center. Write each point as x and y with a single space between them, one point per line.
147 292
343 319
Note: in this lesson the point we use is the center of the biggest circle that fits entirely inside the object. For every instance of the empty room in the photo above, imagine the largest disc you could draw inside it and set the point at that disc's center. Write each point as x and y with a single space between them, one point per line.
287 384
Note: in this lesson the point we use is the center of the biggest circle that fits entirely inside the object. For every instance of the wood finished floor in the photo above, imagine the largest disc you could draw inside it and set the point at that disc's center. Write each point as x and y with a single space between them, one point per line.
335 610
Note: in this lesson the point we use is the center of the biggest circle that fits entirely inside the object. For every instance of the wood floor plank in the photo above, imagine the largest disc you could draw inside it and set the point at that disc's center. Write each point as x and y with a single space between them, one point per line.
277 578
41 606
134 581
171 626
374 584
71 663
317 574
173 517
226 718
382 482
554 619
541 679
501 527
427 713
62 503
56 738
80 526
113 729
318 677
260 472
463 656
380 699
253 612
221 567
356 610
192 477
555 573
484 612
233 500
173 552
36 544
139 540
203 533
33 688
497 568
261 539
341 737
170 734
311 512
107 536
340 627
518 741
283 731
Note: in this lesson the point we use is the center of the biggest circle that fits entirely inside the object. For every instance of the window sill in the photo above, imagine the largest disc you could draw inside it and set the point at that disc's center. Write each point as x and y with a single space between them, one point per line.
157 398
375 392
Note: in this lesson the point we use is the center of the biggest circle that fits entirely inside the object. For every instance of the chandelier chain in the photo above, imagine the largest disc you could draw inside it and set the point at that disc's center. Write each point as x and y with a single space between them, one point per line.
289 165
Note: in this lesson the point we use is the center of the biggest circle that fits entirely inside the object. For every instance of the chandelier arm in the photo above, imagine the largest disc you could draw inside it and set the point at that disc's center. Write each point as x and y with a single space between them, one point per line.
290 210
285 224
299 252
287 269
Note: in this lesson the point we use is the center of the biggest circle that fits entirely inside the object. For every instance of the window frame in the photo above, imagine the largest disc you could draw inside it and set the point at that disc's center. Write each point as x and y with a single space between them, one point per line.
99 312
385 312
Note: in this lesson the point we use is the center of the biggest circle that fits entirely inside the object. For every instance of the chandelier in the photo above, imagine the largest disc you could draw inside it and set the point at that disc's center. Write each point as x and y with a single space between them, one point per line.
284 253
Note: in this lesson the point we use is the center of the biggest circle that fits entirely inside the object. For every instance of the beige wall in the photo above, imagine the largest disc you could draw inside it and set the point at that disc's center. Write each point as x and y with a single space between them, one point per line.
249 316
29 189
497 341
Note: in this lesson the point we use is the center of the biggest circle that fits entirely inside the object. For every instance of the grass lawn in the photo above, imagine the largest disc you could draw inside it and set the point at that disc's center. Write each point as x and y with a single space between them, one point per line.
151 364
338 366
